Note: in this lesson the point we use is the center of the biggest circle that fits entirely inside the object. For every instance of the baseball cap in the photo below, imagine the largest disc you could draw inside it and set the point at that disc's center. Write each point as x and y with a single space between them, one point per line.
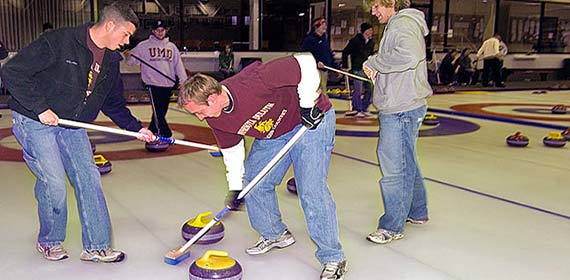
159 23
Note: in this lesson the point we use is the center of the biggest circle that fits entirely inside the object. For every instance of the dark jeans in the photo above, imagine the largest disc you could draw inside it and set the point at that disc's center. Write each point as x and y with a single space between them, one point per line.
492 67
161 99
362 93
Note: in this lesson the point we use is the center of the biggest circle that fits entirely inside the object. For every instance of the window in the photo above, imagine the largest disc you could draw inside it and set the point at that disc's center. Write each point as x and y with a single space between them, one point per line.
519 24
438 25
347 16
556 29
284 24
470 23
195 24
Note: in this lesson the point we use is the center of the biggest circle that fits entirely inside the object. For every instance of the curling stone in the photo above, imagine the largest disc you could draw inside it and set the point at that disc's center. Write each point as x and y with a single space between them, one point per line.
215 153
103 164
156 146
334 93
292 185
430 119
191 227
215 264
554 139
566 134
559 109
517 140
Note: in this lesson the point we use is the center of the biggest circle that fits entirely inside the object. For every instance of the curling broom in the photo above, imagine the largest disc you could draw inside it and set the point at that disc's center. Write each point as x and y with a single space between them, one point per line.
348 74
177 255
135 134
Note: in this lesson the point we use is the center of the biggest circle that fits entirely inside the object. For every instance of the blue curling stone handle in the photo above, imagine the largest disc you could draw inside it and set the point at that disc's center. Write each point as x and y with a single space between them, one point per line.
164 139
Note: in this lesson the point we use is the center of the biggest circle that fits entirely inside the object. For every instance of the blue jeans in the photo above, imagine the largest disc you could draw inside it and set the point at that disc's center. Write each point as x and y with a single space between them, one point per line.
402 184
53 154
310 157
360 102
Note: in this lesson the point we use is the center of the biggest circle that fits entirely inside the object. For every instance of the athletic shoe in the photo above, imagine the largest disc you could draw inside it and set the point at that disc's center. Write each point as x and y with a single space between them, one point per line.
53 253
382 236
263 245
334 270
368 114
416 222
360 115
108 255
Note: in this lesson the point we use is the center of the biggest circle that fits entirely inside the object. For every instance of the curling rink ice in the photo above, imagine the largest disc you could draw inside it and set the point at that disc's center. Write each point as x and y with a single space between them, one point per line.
496 212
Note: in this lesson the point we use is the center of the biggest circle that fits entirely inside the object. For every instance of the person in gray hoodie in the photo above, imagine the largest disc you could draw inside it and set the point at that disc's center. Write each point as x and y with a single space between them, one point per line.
401 87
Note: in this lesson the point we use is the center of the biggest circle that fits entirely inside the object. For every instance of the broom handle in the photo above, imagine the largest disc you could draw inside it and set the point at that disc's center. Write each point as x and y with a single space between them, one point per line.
152 67
249 186
348 74
273 161
134 134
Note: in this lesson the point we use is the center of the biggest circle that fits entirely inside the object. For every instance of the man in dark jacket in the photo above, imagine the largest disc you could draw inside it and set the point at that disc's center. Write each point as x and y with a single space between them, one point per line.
3 54
70 73
3 51
317 43
359 48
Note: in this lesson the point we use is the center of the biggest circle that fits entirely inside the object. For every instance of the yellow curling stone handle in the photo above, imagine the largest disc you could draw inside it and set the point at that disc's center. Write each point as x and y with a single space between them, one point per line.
215 260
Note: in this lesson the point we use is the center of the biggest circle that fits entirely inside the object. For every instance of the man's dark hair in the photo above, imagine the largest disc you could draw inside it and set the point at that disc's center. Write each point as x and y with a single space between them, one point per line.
118 12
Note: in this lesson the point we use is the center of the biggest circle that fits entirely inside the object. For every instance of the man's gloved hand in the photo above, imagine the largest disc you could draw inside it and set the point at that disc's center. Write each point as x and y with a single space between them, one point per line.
311 117
232 200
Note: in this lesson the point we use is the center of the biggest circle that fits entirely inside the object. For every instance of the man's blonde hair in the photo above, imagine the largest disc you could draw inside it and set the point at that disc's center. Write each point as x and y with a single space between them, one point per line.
396 4
197 89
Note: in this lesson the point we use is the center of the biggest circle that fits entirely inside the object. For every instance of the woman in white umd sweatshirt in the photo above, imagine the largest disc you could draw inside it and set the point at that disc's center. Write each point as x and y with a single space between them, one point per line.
161 64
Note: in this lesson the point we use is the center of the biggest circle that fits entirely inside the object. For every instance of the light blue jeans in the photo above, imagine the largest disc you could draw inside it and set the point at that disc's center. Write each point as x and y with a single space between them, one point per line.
361 94
54 153
310 157
402 184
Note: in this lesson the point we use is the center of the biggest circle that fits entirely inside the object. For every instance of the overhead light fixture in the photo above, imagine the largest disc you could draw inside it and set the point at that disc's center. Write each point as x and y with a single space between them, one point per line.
301 14
340 5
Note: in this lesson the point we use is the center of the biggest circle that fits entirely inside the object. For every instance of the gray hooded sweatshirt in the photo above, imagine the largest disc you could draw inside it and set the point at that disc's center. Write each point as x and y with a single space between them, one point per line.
401 83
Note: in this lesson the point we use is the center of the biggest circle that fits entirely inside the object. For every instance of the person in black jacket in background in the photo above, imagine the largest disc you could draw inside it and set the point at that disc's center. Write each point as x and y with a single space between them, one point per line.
465 70
317 43
3 54
359 48
70 73
3 51
448 68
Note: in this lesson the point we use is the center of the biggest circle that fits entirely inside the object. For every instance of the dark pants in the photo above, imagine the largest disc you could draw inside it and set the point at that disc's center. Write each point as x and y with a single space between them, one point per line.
466 76
492 67
227 72
161 99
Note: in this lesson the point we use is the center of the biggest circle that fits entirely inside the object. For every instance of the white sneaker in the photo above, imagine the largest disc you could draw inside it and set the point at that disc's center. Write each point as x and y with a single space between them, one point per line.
53 253
107 255
382 236
360 115
368 114
264 245
334 270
